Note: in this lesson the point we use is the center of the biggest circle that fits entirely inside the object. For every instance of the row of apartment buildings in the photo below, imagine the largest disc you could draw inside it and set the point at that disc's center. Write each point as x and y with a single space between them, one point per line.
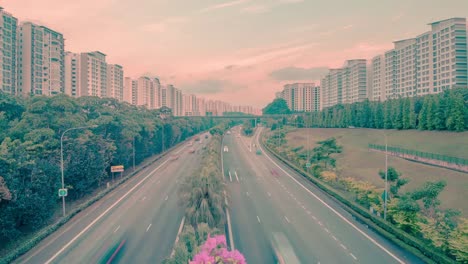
429 63
33 61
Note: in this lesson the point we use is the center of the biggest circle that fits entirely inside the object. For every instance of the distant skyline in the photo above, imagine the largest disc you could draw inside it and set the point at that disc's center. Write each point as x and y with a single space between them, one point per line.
238 51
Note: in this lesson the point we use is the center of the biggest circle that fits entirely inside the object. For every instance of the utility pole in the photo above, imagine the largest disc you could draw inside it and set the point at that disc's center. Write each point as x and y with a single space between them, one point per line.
133 153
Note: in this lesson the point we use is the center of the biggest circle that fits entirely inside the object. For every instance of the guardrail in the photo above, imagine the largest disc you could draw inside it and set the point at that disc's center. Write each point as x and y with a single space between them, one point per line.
414 245
424 157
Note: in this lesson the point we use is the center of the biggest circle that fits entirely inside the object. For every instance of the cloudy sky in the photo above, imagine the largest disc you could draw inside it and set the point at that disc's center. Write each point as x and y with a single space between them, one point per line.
239 51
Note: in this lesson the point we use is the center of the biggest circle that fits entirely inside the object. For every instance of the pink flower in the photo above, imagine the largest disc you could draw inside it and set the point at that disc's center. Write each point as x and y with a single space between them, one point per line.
214 251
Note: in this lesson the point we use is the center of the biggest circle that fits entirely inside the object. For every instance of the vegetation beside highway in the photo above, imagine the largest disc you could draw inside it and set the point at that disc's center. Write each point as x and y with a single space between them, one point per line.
30 131
414 216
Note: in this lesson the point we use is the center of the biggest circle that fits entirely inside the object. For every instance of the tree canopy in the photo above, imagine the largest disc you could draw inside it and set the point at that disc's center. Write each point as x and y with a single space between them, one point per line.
278 106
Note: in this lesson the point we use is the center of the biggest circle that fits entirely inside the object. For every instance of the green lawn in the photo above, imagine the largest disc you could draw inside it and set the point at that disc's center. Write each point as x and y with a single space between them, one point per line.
356 160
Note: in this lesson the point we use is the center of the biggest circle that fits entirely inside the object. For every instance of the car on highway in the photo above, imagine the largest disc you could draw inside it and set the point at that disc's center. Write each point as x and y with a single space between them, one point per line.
191 150
229 132
174 157
259 152
206 136
190 143
284 252
226 149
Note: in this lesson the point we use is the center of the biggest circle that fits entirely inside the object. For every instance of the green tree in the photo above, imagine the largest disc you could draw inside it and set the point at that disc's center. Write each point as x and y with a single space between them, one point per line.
429 194
278 106
393 177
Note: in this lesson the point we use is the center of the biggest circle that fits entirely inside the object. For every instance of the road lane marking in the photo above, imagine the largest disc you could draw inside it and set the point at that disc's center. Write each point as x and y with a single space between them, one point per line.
343 246
167 197
103 214
320 223
308 212
354 257
228 217
158 181
247 193
287 220
336 212
230 177
269 194
177 237
117 229
334 237
148 227
326 230
144 198
235 172
258 218
315 218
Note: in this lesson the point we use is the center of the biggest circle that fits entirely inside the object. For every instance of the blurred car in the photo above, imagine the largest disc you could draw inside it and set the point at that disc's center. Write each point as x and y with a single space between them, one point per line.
192 150
226 149
283 250
174 157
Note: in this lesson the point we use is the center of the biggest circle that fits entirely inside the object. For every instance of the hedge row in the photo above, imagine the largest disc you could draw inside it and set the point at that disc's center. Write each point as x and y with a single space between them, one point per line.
410 243
28 245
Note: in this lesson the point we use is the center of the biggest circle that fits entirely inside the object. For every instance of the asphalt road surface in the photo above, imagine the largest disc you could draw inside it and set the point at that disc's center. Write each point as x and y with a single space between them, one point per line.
136 223
266 198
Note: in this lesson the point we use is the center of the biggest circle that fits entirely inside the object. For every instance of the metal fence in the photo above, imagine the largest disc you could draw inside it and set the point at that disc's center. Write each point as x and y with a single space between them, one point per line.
421 154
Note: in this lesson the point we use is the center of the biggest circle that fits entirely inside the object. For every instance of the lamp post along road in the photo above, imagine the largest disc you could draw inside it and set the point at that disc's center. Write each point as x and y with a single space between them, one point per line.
61 160
386 180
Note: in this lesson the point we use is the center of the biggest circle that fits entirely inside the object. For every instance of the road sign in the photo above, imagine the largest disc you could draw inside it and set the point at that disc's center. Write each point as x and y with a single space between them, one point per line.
62 192
117 168
308 165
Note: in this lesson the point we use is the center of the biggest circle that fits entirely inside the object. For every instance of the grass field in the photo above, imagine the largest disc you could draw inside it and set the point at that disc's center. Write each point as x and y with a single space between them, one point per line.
358 162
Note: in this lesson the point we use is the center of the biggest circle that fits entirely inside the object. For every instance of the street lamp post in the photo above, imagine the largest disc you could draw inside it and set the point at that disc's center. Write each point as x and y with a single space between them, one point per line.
61 160
386 178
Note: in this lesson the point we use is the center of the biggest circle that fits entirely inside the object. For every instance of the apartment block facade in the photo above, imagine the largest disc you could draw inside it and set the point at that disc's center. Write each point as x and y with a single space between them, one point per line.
72 74
93 74
301 96
430 63
115 81
41 60
8 54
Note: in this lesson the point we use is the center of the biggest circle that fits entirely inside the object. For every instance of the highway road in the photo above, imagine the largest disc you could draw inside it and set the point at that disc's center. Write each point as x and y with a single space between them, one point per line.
265 198
136 223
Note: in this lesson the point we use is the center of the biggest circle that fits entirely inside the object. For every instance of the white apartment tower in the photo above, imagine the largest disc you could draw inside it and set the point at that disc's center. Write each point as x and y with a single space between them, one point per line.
8 54
93 74
299 97
115 81
72 74
430 63
376 79
354 81
129 94
41 60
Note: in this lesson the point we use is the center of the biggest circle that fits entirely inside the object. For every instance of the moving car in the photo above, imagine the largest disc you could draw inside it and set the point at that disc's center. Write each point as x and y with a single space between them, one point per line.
226 149
259 152
192 150
283 250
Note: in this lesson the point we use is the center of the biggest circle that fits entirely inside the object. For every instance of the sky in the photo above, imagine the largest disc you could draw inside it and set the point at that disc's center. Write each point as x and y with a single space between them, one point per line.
238 51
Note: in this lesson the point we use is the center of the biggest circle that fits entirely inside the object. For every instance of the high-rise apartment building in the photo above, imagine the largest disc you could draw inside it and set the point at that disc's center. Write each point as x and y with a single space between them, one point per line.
72 74
41 60
115 81
430 63
345 85
93 74
130 87
8 54
376 80
299 97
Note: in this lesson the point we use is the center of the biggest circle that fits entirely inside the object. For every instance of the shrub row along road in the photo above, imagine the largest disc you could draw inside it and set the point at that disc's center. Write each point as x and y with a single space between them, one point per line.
267 198
136 223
